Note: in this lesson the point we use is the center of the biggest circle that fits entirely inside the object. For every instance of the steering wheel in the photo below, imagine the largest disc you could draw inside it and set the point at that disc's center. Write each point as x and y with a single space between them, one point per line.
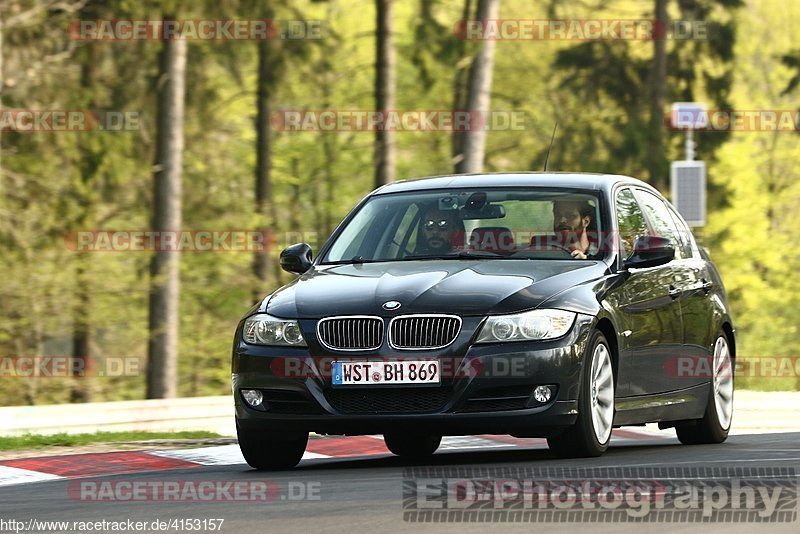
547 247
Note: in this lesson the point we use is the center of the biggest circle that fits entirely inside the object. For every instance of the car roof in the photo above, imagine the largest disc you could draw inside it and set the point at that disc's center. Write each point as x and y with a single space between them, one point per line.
567 180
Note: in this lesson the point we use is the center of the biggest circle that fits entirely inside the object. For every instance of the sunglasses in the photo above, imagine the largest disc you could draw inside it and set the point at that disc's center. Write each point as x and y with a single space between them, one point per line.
442 224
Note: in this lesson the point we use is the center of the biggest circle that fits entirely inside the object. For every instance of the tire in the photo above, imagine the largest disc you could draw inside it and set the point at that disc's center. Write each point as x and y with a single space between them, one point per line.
261 452
412 445
591 433
716 422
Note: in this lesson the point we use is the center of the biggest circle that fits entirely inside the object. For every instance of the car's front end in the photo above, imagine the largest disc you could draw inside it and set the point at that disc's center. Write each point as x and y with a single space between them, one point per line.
419 319
503 371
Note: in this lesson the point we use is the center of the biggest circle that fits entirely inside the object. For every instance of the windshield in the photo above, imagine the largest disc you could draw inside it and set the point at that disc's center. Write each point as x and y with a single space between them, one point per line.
485 223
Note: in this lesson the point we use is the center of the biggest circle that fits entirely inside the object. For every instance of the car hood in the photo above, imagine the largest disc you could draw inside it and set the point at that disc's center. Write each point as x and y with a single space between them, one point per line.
463 287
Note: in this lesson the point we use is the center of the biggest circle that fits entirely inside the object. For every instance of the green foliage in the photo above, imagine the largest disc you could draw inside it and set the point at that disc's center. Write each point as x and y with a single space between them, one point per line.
752 233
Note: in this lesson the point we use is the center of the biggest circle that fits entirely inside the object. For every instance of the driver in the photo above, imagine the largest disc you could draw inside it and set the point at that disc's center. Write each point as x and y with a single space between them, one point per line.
439 232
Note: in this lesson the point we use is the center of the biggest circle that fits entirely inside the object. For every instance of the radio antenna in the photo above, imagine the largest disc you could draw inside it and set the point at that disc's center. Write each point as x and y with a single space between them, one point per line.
552 138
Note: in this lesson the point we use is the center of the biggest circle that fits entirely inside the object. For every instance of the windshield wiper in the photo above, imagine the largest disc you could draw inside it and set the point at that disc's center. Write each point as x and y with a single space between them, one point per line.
355 260
461 255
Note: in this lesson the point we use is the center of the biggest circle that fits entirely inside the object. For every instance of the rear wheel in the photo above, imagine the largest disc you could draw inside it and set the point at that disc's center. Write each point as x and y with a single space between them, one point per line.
591 433
716 422
412 445
263 452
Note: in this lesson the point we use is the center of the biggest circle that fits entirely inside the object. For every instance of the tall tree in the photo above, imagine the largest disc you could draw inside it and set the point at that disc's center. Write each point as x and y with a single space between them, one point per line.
385 91
613 79
459 85
164 269
81 315
265 202
479 91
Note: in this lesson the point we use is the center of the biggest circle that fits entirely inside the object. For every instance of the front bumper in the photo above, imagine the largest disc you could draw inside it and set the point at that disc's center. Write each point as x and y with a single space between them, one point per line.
483 390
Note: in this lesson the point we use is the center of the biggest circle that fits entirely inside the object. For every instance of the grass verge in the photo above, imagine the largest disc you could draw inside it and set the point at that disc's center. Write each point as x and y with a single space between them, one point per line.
37 441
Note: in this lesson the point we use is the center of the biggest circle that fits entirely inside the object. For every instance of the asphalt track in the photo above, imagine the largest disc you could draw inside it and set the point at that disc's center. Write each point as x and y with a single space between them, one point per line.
365 493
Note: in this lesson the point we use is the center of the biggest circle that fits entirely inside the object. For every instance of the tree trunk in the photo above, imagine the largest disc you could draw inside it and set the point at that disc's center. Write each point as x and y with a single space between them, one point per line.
656 162
2 82
459 83
385 91
81 333
329 151
81 317
295 208
162 371
265 205
479 97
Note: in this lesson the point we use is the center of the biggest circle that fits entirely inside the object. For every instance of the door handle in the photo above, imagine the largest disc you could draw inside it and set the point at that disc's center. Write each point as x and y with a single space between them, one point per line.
674 292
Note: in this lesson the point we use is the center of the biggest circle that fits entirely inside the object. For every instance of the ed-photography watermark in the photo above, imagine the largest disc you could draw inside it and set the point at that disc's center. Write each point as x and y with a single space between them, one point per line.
397 120
140 490
195 29
60 120
580 30
69 366
730 495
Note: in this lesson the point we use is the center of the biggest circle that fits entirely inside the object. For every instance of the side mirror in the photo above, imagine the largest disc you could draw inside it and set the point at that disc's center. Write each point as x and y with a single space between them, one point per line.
650 251
296 258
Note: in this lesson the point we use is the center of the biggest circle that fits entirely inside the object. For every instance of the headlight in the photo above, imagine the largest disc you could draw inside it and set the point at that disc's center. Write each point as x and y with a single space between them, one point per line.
527 326
263 329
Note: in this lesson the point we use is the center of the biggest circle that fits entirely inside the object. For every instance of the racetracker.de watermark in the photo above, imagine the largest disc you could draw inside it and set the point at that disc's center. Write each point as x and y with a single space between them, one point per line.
688 366
579 30
139 490
397 120
658 494
61 120
69 366
736 120
195 29
184 240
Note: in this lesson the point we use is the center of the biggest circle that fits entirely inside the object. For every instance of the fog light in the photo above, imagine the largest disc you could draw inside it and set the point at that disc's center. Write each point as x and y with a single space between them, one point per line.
253 397
542 393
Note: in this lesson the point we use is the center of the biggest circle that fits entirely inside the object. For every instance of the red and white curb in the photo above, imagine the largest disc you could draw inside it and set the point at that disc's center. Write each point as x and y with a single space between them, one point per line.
25 470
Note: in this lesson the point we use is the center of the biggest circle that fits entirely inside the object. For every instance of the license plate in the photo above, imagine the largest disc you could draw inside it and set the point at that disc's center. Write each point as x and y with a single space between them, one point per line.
375 373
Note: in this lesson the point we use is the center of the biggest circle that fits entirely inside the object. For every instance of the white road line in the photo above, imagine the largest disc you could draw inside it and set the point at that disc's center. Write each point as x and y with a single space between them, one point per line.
471 442
217 455
729 461
771 450
313 455
10 476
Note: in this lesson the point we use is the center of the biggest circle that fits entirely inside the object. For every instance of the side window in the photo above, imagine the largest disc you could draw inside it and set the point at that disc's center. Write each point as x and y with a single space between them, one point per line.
684 234
661 220
630 220
352 238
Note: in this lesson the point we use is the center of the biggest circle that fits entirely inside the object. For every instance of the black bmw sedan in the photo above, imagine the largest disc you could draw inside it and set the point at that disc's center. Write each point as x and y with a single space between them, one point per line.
533 304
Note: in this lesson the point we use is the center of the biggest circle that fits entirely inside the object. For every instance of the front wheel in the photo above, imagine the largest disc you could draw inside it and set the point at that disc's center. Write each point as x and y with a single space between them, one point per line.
262 452
412 445
716 422
591 433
